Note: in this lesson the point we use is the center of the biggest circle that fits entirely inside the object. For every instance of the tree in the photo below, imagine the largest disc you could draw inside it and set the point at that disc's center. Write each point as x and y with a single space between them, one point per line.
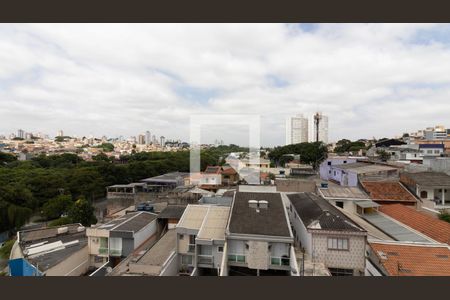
101 157
384 156
6 158
57 206
444 216
82 212
18 216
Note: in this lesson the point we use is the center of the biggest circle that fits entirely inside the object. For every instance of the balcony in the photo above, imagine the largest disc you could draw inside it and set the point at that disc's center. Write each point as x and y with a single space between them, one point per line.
191 248
115 252
103 251
236 258
279 261
205 259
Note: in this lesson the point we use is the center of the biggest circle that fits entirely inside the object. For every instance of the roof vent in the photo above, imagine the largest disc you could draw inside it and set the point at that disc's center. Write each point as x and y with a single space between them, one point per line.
252 203
263 204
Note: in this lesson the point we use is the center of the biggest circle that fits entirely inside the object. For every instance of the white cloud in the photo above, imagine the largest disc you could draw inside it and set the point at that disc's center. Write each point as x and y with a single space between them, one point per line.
124 79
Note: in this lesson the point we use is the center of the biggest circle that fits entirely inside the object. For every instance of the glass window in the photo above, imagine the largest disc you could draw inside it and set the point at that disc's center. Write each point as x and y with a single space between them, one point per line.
181 236
338 244
192 239
220 249
186 260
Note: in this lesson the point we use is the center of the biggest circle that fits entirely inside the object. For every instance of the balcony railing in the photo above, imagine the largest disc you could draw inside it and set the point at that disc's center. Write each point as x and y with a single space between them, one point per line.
205 259
280 261
102 250
236 258
115 252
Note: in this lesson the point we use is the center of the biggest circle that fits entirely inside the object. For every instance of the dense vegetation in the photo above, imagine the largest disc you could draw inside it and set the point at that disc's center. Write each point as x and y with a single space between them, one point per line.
345 145
52 185
444 216
310 153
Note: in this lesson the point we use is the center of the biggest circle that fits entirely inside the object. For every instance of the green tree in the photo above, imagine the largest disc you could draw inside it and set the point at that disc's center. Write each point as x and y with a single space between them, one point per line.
6 158
82 212
57 206
384 156
18 216
444 216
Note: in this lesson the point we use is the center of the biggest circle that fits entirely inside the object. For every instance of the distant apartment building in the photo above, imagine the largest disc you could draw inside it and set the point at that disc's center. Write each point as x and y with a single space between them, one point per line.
327 235
296 130
60 133
21 134
148 138
162 141
427 150
141 139
320 128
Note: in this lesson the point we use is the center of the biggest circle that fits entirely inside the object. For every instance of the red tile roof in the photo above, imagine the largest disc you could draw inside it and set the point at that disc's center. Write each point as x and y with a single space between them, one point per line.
212 170
387 191
434 228
413 260
229 171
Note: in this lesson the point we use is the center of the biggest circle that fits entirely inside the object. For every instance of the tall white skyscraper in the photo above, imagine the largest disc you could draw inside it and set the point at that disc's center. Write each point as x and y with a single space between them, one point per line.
320 128
60 133
296 129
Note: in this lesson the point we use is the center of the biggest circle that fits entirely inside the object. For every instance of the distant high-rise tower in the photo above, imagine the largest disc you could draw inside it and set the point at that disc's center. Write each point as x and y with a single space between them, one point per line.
154 140
141 139
60 133
21 134
296 130
163 141
320 128
148 138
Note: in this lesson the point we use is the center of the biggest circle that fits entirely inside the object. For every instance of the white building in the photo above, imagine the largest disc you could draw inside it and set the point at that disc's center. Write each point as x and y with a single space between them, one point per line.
148 138
296 130
323 128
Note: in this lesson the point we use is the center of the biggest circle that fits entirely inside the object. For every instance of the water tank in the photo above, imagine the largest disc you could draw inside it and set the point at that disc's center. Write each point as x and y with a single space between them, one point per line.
253 203
263 204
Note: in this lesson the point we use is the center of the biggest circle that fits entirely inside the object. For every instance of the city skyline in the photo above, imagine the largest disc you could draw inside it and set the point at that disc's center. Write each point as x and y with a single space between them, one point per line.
363 76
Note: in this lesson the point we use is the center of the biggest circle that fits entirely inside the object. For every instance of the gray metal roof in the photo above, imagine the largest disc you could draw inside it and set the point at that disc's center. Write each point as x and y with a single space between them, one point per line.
430 178
393 229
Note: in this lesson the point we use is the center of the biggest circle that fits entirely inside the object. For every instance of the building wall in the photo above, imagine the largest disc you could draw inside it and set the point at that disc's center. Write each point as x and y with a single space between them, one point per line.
295 185
171 266
183 244
301 236
75 265
145 233
325 168
354 258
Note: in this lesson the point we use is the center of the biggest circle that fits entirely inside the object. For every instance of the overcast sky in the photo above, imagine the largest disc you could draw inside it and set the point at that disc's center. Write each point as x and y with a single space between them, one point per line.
123 79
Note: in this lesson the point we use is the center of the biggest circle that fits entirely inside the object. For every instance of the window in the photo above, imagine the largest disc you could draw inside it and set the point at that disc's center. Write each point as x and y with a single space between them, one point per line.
340 204
186 259
220 249
436 151
423 194
334 173
192 239
181 236
345 161
329 163
341 272
430 151
337 244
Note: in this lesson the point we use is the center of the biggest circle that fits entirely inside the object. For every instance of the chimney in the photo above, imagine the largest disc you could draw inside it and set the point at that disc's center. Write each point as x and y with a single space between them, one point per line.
263 204
252 203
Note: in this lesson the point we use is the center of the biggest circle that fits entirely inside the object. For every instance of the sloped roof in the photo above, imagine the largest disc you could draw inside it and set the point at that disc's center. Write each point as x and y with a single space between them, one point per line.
429 178
314 210
412 260
434 228
387 190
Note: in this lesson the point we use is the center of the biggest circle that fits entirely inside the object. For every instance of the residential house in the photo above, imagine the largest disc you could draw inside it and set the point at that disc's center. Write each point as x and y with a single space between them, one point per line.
433 188
432 150
325 166
327 235
351 173
424 223
120 237
259 239
201 239
347 198
407 259
388 192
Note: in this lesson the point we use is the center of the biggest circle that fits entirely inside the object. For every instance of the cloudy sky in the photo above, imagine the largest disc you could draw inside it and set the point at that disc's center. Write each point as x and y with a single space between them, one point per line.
123 79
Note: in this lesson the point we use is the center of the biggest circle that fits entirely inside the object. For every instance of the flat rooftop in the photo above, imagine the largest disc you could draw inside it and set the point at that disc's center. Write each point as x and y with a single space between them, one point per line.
257 188
343 193
271 221
172 212
168 177
362 168
215 223
160 252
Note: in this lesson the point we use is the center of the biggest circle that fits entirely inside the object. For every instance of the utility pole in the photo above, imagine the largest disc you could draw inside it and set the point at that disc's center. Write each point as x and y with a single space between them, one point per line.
317 118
